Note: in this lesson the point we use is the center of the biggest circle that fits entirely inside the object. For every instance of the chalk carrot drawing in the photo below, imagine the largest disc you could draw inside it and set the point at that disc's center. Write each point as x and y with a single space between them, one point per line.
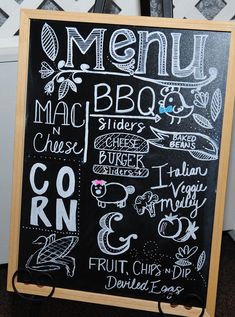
111 193
53 254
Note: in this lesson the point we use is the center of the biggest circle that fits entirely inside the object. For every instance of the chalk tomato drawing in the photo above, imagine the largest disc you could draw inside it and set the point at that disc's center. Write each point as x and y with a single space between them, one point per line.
170 226
178 229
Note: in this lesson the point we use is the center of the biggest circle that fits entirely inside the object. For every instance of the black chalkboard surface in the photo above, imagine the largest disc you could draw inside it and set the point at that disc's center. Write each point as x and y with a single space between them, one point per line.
123 130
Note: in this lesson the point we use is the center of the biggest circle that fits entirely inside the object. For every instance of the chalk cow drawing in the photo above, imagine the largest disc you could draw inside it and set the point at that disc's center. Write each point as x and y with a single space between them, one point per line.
111 193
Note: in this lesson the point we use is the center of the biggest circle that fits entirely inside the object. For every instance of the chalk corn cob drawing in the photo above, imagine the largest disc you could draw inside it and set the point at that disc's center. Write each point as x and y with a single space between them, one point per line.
53 254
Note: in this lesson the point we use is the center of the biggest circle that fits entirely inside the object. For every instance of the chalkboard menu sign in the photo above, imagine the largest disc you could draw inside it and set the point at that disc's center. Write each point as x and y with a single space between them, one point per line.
122 140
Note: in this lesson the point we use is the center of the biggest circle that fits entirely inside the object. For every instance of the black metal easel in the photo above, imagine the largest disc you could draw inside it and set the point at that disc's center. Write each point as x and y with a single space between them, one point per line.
40 280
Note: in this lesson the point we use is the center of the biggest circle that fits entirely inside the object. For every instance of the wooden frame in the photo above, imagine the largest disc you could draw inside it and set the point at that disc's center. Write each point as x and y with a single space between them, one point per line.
26 17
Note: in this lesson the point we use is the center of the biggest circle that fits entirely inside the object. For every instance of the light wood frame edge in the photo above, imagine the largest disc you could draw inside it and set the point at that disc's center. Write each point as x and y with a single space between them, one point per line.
26 16
18 147
222 176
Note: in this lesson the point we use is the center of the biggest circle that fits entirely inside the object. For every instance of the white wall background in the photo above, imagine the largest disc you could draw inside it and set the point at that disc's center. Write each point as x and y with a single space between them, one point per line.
7 104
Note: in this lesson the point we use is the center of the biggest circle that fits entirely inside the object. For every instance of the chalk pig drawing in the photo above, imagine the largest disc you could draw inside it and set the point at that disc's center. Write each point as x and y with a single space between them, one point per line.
111 193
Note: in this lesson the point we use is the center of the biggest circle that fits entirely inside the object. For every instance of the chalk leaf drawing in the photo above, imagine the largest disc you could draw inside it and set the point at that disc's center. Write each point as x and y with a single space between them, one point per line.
178 229
53 254
49 42
106 230
146 202
184 254
64 88
216 104
60 75
174 99
111 193
46 70
201 260
200 146
202 121
201 99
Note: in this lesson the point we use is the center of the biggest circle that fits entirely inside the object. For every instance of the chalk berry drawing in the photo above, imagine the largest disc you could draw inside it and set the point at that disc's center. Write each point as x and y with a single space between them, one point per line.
53 254
111 193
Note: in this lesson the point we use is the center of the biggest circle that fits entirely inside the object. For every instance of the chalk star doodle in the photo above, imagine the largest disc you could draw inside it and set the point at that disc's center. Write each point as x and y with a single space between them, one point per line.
53 254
